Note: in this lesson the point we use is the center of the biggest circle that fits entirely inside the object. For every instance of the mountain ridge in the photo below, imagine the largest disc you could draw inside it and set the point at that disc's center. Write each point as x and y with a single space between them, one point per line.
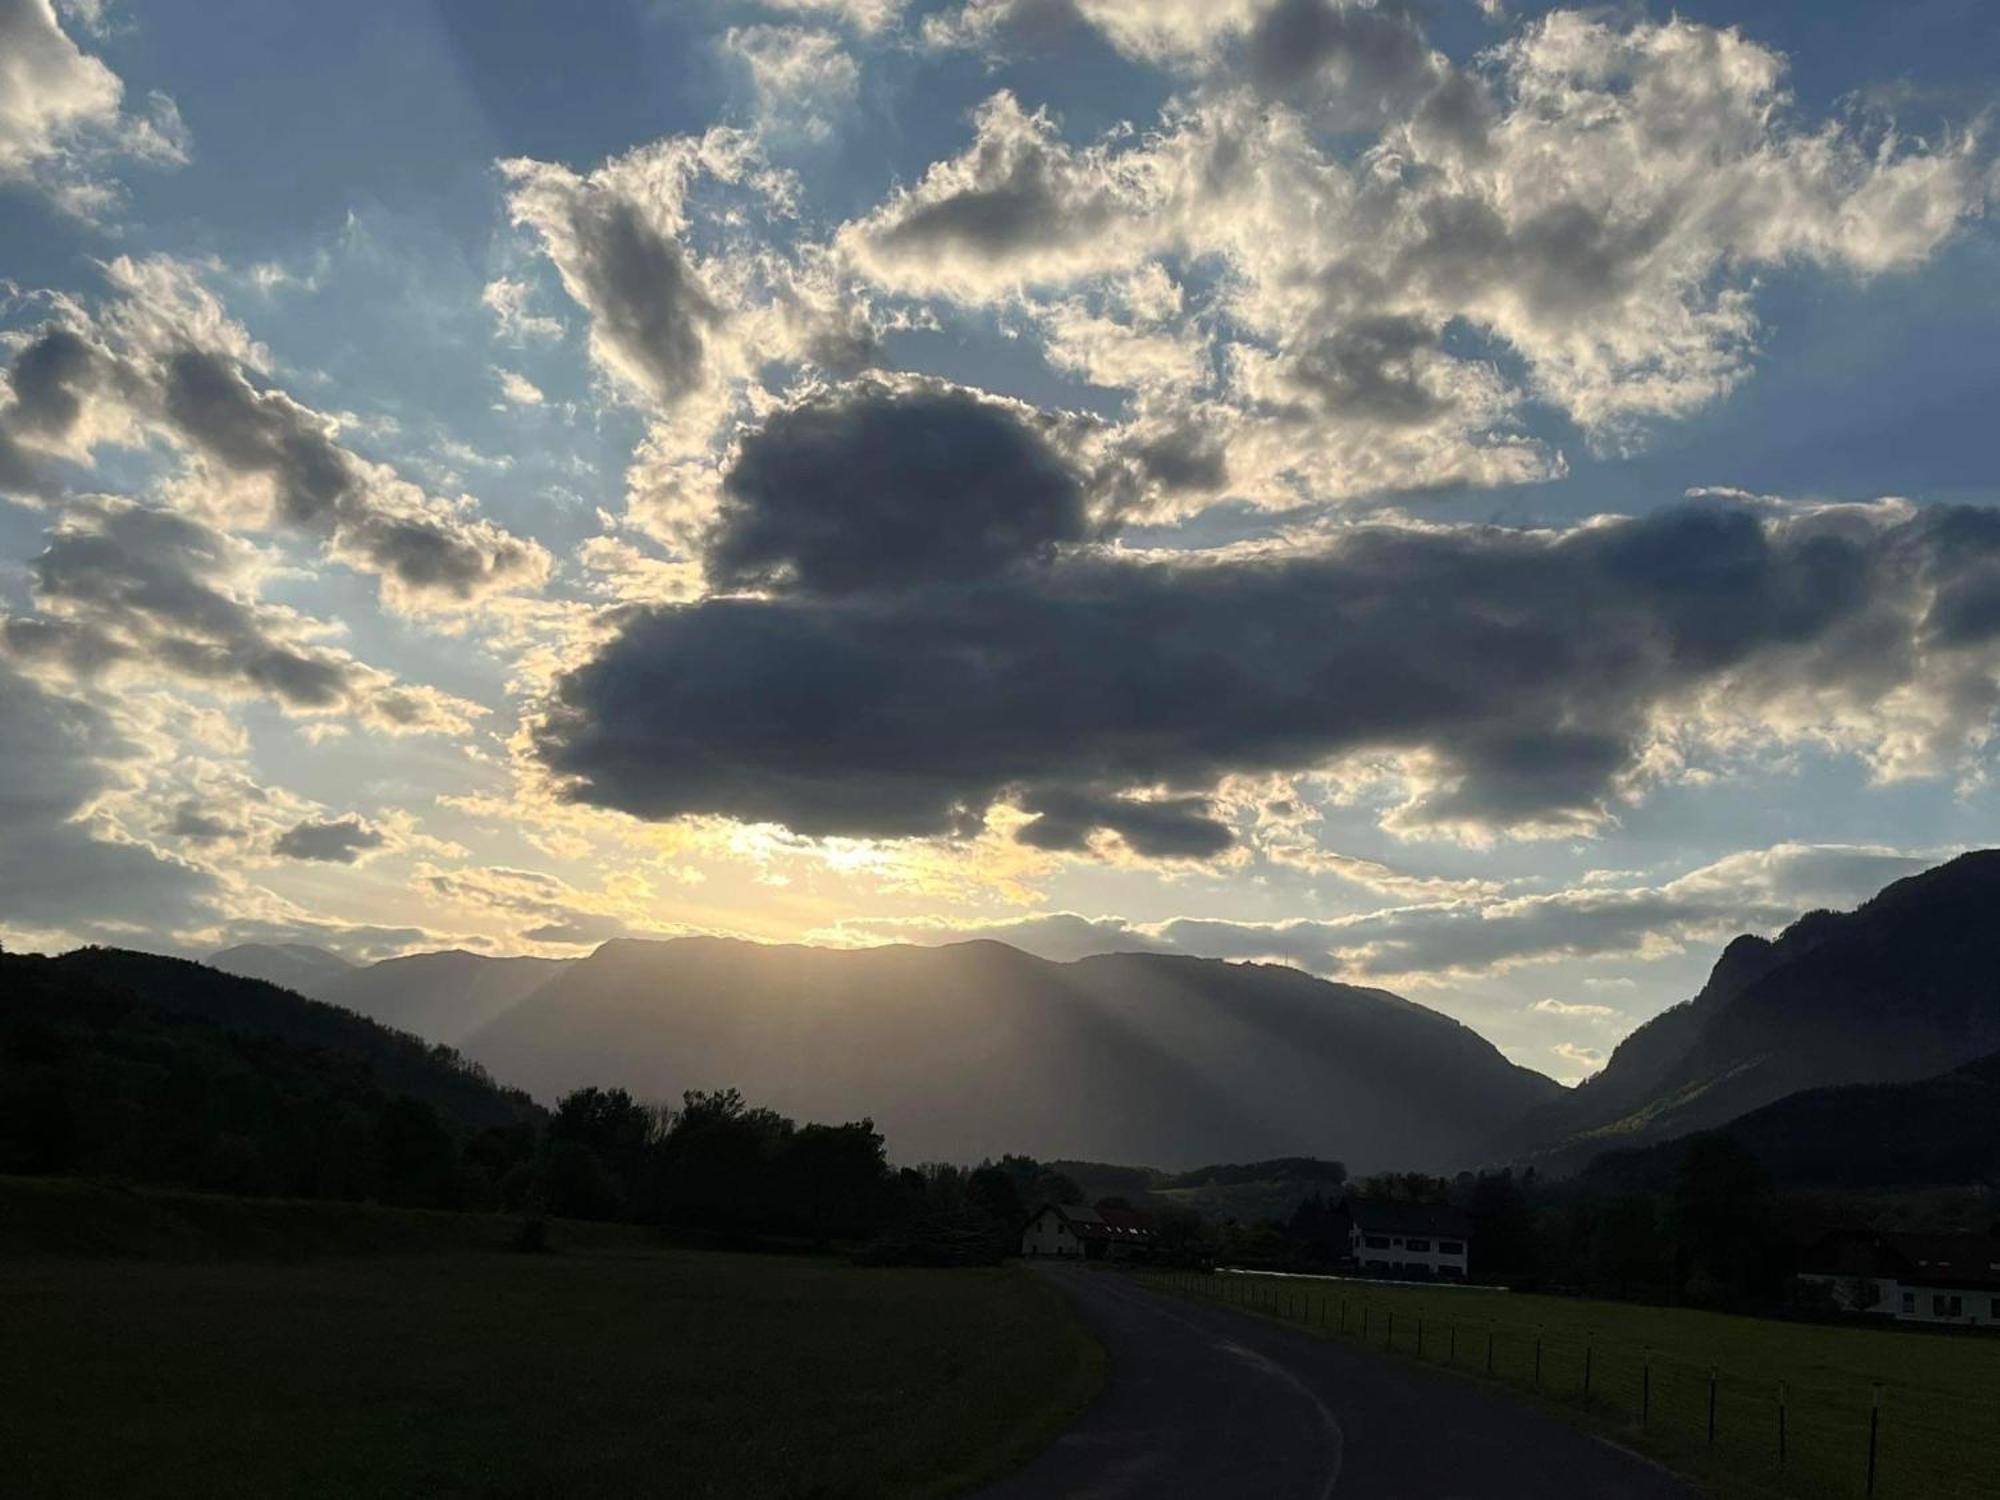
965 1050
1901 988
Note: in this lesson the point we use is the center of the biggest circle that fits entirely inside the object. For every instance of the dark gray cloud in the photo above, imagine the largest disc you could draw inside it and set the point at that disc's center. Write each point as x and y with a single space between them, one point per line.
375 521
615 237
639 287
1358 61
1527 667
125 586
1371 369
200 824
339 842
201 395
887 483
1163 828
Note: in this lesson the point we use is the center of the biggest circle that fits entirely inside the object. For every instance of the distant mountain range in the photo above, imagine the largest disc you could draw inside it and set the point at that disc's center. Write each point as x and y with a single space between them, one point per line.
977 1048
1905 987
292 966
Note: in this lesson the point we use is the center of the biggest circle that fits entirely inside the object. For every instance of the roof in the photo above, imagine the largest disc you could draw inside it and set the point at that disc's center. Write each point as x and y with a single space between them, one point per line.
1954 1260
1376 1216
1109 1224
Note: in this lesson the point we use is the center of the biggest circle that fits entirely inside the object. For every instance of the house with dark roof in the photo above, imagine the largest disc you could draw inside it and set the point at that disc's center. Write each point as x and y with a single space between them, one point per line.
1422 1241
1914 1278
1071 1231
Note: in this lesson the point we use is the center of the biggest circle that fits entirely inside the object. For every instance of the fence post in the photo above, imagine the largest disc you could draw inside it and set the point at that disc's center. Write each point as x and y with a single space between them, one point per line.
1420 1338
1588 1347
1782 1394
1451 1357
1874 1432
1343 1317
1390 1341
1646 1389
1538 1359
1711 1406
1364 1322
1489 1348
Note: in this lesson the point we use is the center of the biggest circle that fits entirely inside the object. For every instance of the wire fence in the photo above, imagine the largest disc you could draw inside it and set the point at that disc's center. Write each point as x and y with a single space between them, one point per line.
1822 1434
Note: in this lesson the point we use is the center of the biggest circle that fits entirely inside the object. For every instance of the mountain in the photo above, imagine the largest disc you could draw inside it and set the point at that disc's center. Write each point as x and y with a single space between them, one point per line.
977 1048
1905 987
184 991
444 997
158 1070
291 966
1937 1132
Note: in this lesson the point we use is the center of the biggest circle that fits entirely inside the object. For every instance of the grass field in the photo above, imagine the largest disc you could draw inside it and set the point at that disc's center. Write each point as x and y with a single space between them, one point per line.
1644 1374
606 1368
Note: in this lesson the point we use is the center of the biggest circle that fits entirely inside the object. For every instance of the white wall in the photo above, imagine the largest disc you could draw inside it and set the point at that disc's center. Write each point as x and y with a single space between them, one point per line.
1048 1235
1976 1309
1397 1254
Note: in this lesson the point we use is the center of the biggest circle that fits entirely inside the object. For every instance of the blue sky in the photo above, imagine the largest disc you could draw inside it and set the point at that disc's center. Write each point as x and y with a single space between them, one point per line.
1482 499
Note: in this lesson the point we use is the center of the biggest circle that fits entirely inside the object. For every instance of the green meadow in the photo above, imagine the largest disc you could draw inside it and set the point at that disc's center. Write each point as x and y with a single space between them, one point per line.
163 1344
1644 1375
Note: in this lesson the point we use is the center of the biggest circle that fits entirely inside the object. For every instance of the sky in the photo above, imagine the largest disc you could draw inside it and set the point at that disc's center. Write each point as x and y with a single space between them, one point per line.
1474 498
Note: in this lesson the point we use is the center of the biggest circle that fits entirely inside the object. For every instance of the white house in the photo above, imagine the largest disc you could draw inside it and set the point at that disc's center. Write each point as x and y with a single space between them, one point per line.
1416 1240
1069 1230
1913 1278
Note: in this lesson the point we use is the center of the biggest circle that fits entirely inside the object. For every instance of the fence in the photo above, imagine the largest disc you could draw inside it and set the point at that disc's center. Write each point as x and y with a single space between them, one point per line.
1822 1435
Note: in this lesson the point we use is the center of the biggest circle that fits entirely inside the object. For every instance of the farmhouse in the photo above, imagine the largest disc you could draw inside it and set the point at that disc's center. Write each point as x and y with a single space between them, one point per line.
1079 1233
1913 1278
1420 1240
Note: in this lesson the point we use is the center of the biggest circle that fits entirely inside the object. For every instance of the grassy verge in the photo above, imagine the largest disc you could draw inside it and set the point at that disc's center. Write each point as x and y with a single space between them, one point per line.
64 1218
1643 1375
606 1369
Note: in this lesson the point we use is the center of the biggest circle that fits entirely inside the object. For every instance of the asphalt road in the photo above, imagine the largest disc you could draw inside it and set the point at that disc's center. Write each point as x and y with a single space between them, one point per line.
1212 1404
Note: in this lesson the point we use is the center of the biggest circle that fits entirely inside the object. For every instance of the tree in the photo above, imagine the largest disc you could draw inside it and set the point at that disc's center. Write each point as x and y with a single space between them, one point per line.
1722 1219
416 1156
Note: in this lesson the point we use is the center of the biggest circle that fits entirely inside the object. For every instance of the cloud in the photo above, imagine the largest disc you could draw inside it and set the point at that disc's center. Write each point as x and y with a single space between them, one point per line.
1360 62
62 113
615 238
1018 207
518 389
1583 1060
163 359
888 483
1474 937
1522 682
1569 1010
341 841
863 15
507 299
134 595
1578 217
800 76
554 912
62 869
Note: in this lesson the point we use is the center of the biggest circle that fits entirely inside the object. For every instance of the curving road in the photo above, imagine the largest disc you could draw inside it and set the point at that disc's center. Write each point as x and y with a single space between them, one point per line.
1210 1404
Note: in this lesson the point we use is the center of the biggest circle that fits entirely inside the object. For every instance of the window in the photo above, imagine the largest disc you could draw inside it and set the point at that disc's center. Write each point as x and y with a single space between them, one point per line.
1943 1306
1451 1247
1909 1302
1996 1310
1418 1245
1378 1242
